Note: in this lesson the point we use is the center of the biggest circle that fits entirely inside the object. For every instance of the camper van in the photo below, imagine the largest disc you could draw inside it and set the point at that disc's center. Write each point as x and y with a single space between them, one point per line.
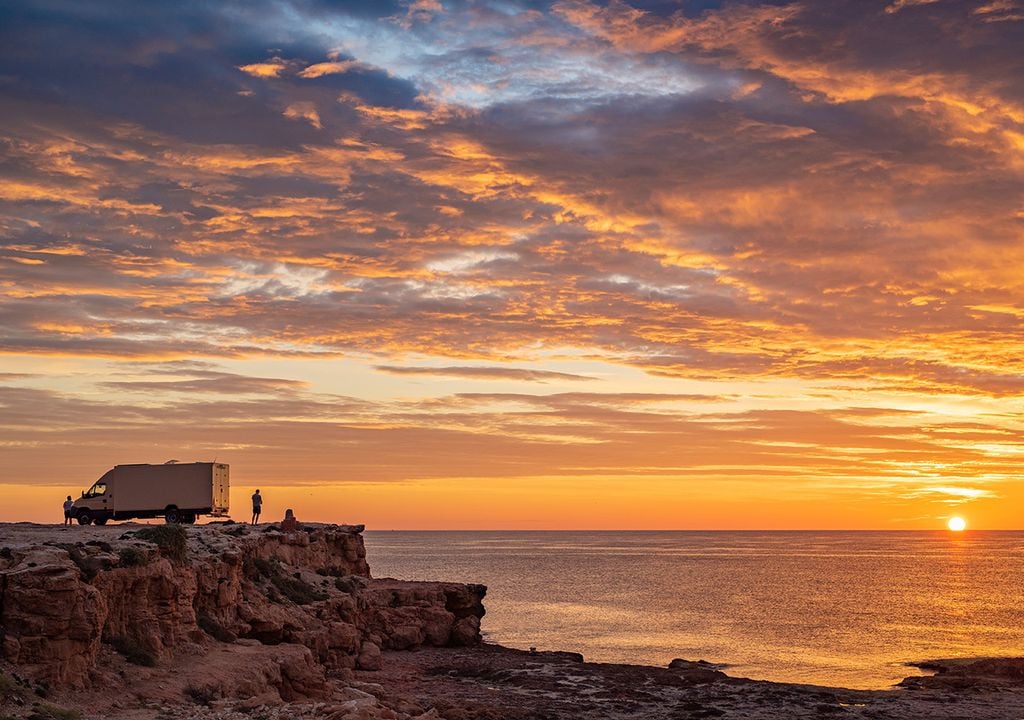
177 492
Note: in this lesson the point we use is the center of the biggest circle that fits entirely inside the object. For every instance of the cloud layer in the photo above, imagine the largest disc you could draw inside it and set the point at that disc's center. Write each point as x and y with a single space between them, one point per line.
823 197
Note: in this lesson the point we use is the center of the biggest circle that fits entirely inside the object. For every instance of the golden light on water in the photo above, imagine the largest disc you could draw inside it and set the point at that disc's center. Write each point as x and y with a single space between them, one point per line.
957 524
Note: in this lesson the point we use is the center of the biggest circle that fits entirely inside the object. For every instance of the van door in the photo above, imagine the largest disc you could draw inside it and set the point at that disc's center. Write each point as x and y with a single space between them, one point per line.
107 497
95 498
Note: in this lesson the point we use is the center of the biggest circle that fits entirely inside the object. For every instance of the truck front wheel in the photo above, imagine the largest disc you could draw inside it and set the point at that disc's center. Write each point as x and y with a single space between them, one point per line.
172 516
84 517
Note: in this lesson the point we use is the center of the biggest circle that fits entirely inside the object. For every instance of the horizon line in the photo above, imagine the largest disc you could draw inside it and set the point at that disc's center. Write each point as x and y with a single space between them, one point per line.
653 530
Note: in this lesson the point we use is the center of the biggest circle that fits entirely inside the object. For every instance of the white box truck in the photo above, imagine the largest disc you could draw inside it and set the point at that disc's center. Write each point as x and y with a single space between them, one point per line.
177 492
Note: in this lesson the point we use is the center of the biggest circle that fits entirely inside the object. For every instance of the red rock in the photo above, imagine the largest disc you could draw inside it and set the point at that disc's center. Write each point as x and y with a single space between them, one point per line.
58 606
51 619
369 657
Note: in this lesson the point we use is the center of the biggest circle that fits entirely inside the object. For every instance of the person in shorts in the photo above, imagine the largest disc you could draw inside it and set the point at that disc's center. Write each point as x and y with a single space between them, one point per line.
257 506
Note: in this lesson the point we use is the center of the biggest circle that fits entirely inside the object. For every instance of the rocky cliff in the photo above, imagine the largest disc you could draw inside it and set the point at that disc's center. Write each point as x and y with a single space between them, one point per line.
288 608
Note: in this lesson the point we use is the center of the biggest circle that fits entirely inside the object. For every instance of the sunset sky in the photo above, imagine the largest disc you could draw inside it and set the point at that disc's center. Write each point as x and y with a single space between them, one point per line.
499 264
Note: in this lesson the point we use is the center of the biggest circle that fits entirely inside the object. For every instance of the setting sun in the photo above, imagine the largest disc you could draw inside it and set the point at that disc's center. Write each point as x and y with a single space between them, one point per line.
957 524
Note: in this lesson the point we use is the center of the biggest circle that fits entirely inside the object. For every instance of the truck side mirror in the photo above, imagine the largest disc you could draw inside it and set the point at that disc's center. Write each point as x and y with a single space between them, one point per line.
83 493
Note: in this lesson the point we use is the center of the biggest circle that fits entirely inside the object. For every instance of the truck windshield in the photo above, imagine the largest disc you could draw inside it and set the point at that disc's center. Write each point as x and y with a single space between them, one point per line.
96 490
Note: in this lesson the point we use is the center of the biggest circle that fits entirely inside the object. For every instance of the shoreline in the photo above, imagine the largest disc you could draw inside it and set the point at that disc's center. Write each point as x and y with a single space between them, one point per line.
926 668
836 609
242 622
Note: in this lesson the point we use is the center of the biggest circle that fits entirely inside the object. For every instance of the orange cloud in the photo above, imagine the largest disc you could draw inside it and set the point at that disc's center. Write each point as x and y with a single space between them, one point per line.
327 68
275 67
304 111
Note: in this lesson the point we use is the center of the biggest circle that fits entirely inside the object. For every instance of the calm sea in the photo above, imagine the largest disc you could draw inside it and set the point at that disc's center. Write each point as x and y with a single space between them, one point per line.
835 608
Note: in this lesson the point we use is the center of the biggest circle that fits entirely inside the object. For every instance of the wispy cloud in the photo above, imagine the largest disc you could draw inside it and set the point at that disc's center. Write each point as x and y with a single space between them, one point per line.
483 373
274 67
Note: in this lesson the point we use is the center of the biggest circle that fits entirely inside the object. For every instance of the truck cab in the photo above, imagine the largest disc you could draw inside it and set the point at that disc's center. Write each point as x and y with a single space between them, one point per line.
92 506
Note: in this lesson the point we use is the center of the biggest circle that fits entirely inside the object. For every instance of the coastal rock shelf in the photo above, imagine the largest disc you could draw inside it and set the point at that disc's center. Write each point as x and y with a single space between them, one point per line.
229 622
66 596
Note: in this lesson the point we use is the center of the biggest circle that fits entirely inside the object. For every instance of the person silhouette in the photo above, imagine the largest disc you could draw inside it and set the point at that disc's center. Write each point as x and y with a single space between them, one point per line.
69 506
257 506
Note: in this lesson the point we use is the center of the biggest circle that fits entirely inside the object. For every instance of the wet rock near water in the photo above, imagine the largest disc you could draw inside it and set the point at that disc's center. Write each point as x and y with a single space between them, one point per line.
969 673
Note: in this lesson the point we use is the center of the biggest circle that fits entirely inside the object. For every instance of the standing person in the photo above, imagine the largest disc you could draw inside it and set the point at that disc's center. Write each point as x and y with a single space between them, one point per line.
257 506
69 505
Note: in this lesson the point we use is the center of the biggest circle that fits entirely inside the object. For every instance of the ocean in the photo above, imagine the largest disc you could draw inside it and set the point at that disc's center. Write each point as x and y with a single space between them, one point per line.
832 608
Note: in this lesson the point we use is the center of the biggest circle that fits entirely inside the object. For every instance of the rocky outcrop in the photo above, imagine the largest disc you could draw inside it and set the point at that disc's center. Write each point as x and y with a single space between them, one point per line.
400 615
151 606
148 591
698 670
51 620
968 674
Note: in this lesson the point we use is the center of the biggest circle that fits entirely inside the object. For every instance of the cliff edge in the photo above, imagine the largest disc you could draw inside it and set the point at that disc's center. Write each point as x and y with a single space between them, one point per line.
70 599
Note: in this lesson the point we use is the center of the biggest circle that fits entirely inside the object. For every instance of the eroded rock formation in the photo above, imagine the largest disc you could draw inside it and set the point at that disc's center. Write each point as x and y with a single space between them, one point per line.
146 592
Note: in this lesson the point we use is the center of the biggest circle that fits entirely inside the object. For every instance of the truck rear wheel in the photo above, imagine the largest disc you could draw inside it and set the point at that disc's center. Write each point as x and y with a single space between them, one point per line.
188 518
84 517
100 521
172 516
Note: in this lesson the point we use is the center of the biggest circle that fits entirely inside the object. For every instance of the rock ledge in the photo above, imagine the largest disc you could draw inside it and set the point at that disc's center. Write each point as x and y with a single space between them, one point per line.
148 592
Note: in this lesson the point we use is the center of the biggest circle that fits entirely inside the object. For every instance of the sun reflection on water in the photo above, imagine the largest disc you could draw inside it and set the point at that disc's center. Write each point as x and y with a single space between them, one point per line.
833 608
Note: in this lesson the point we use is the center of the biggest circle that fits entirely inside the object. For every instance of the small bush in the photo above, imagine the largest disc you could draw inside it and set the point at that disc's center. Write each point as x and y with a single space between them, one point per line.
297 590
293 588
214 629
346 585
267 568
132 557
7 685
332 572
133 652
257 569
6 553
11 690
52 712
171 539
201 694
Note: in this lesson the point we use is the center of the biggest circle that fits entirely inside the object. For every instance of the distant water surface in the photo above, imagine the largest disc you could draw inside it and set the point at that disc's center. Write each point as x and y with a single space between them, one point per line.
833 608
